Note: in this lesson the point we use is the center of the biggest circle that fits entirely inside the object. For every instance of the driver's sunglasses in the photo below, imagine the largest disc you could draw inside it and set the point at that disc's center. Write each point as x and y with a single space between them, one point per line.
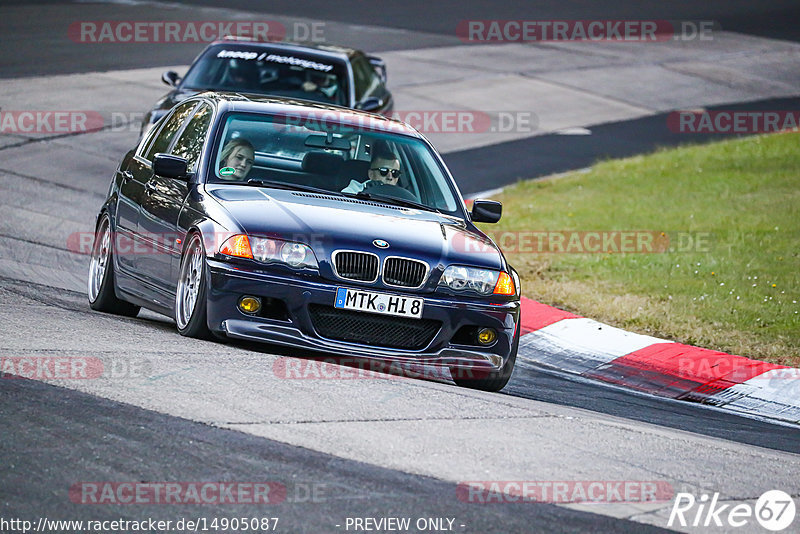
386 170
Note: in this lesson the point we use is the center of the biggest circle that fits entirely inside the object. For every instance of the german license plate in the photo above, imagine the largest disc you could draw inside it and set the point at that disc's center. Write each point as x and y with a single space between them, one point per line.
367 301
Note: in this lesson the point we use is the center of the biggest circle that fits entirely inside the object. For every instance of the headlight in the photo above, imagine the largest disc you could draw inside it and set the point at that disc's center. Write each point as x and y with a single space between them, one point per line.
481 281
274 250
456 278
266 250
297 255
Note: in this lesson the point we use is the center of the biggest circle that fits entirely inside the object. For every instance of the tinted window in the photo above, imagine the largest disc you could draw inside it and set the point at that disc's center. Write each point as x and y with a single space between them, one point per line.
319 151
366 79
267 71
190 144
171 127
147 140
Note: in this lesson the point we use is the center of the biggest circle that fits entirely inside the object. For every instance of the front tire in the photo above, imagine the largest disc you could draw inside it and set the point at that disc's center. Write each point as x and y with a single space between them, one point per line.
101 274
191 298
490 380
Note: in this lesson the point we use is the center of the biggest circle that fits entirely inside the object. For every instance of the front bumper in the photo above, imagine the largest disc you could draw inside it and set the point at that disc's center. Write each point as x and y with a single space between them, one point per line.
229 282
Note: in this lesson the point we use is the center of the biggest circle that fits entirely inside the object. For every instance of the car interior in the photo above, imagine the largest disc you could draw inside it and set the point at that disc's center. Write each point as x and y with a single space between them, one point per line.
329 160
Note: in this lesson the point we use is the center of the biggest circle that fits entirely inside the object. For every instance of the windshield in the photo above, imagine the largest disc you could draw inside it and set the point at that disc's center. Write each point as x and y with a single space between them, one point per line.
315 150
277 72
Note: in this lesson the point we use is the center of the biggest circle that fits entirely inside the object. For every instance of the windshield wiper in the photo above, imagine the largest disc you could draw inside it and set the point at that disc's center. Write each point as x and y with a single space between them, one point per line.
394 200
290 186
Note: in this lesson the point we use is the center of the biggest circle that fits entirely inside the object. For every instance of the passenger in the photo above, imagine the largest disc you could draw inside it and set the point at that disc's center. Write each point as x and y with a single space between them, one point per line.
384 169
322 83
236 160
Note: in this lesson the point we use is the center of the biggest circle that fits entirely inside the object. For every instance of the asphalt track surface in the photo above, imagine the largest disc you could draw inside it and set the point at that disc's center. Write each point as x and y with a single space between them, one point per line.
534 383
778 19
480 169
36 45
54 436
121 442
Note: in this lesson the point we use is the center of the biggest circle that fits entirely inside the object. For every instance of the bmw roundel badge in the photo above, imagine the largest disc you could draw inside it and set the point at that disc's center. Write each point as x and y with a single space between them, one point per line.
380 243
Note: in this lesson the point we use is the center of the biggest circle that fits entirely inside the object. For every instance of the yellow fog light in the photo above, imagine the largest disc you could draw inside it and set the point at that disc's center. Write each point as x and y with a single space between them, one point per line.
486 336
249 304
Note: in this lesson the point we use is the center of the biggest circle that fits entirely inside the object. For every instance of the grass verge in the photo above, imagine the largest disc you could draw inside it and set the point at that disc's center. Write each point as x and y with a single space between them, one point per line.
729 279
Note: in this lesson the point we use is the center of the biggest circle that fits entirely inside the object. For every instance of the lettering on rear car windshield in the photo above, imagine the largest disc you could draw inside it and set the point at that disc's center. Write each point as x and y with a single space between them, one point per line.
291 60
237 54
275 58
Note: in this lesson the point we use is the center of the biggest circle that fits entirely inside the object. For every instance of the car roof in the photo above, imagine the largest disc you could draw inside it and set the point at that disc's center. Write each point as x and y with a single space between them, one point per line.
252 103
302 47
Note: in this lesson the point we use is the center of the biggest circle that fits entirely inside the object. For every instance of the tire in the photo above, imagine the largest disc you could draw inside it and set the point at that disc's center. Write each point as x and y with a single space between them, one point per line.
490 380
191 298
101 274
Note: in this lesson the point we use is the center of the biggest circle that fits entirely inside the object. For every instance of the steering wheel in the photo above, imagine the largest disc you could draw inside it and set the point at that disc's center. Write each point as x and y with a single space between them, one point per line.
388 190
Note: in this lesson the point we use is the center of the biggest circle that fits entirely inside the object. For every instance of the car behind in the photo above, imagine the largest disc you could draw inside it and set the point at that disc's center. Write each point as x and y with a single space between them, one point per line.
322 73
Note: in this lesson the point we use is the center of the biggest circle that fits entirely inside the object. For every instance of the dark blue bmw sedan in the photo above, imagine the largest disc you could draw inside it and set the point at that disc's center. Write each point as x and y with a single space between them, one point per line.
311 226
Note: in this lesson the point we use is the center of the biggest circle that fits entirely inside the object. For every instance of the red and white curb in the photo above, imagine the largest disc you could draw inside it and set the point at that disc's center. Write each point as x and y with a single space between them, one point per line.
564 341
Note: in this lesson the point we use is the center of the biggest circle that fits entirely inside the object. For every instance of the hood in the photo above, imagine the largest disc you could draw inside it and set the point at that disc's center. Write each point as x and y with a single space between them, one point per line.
327 223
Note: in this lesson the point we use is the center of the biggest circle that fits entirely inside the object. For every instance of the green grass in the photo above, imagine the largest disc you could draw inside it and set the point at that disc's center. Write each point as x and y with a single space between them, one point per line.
739 295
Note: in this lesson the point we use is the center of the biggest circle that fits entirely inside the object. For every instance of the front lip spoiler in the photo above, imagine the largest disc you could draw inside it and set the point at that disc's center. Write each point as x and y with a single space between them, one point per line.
294 334
290 336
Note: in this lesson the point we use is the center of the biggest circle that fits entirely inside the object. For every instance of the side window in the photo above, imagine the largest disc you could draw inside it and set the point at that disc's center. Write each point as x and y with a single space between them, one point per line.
366 79
147 140
169 130
190 144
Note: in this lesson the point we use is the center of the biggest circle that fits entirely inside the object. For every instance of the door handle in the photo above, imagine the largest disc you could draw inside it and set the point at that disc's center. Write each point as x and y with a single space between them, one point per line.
149 188
126 175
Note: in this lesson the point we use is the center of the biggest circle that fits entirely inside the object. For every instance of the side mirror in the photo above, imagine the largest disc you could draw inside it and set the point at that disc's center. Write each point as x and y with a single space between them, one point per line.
170 166
379 65
487 211
170 78
370 104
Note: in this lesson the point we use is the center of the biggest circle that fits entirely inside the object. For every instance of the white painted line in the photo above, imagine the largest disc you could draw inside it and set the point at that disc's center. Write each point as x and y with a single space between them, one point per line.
574 131
485 194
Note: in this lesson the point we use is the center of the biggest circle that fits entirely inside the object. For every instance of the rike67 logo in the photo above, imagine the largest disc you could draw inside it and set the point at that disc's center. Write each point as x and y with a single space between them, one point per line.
774 510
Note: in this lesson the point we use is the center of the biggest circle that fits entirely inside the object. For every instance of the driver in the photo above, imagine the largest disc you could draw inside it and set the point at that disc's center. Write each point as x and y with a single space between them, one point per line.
242 75
384 168
236 160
